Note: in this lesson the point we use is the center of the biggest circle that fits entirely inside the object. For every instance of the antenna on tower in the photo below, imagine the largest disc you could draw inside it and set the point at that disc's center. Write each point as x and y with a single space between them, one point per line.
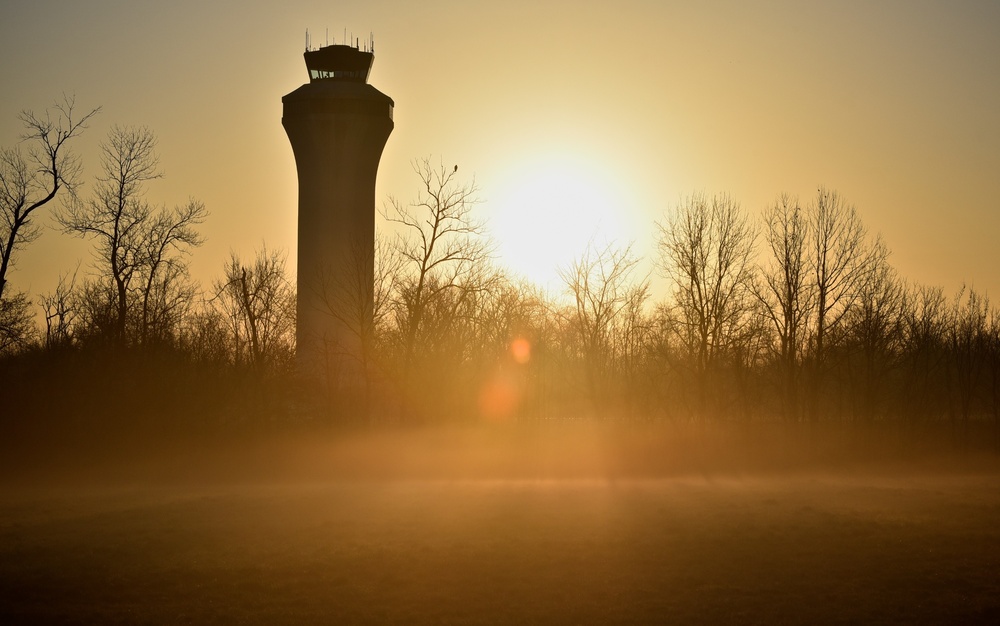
328 36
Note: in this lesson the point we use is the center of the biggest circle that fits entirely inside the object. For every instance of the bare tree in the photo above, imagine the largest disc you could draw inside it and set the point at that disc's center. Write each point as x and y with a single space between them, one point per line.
706 249
17 324
785 290
992 349
207 334
259 304
839 260
139 247
165 294
967 337
29 181
441 244
513 308
60 312
875 329
118 212
96 318
501 336
605 307
631 339
925 319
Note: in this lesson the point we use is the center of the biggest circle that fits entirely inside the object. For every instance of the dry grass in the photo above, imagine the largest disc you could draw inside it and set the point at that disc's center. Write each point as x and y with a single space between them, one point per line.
501 526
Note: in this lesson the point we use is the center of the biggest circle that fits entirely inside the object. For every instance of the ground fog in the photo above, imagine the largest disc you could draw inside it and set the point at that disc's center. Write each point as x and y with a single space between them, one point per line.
557 524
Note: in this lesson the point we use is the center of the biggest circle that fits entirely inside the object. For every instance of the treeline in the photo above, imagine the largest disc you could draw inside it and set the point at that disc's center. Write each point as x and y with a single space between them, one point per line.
131 337
796 316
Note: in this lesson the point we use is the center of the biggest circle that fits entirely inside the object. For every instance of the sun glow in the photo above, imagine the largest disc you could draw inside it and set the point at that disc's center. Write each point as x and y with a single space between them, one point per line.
550 208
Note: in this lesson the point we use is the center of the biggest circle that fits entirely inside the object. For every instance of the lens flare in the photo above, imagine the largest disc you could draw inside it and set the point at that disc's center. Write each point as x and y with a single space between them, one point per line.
520 350
499 398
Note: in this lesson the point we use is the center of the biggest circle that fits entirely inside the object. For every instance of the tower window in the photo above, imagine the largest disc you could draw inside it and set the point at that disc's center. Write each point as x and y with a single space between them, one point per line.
338 74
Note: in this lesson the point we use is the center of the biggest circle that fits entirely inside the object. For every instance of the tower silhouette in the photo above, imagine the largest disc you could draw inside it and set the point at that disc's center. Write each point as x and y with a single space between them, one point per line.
338 125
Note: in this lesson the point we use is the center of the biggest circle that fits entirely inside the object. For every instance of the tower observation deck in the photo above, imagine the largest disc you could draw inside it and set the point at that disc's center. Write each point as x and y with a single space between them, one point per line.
338 125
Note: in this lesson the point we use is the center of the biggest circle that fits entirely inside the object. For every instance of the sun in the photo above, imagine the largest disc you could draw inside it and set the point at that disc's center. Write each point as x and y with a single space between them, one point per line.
550 208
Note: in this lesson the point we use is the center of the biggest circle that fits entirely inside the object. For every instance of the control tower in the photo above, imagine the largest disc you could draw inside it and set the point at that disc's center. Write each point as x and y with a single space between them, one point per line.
338 125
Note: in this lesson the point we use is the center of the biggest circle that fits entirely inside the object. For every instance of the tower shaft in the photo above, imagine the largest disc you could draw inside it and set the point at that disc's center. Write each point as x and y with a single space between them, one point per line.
337 125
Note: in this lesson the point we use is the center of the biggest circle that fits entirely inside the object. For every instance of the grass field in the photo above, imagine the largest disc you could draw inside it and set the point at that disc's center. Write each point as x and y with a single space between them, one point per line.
508 528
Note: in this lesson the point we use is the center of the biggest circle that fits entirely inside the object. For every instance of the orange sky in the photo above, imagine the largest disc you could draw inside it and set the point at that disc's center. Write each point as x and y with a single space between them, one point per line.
625 106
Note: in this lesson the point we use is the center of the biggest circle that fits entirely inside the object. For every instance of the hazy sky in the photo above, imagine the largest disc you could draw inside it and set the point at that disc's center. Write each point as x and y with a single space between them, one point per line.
578 119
